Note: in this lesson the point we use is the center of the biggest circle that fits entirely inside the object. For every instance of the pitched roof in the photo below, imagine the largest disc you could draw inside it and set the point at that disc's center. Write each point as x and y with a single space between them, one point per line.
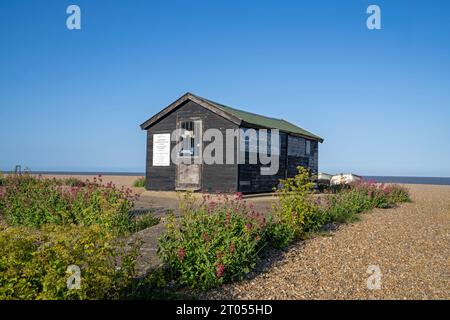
237 116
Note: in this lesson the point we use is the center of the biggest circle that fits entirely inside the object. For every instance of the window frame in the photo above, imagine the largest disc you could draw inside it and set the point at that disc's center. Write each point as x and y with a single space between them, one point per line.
194 150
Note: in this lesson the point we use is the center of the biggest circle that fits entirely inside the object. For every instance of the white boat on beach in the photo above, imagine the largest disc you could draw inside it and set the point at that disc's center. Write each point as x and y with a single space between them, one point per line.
345 178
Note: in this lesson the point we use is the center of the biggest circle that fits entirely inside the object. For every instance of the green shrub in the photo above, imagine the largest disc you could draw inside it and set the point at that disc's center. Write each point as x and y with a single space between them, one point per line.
346 205
295 214
280 234
144 221
35 201
213 243
139 183
2 178
33 263
155 286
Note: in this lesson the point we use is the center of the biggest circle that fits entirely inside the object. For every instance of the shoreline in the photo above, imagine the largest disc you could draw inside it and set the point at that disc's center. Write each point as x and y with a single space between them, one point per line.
126 177
441 181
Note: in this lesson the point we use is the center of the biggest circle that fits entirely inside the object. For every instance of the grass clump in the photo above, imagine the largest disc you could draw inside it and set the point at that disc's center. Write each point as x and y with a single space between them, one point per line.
139 183
144 221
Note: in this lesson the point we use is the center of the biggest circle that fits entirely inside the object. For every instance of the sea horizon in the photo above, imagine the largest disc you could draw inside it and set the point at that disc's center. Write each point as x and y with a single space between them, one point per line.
378 179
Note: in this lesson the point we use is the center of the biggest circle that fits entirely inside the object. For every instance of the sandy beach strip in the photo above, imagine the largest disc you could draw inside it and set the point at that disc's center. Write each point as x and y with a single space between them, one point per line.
119 180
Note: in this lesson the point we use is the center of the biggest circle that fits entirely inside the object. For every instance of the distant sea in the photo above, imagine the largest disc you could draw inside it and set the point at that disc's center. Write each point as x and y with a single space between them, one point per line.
410 180
381 179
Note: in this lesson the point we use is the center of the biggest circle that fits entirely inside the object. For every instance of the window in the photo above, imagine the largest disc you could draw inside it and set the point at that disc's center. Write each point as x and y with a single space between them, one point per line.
266 139
249 138
295 147
308 147
191 133
246 141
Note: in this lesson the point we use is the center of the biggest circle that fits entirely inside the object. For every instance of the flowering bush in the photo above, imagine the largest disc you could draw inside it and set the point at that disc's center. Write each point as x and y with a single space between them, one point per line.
33 263
382 195
397 194
34 201
363 196
347 204
214 241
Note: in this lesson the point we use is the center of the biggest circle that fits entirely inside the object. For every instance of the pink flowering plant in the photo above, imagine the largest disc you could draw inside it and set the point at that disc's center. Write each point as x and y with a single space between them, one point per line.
215 241
346 205
366 195
26 200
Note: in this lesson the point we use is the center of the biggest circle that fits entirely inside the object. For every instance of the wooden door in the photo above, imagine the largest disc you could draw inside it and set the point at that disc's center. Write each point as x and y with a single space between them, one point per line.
189 166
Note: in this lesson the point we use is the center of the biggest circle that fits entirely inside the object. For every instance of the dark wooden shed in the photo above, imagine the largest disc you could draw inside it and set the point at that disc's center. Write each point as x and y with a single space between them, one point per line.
195 115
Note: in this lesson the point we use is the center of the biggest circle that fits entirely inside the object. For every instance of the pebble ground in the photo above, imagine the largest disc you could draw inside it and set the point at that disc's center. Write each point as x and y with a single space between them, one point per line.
410 244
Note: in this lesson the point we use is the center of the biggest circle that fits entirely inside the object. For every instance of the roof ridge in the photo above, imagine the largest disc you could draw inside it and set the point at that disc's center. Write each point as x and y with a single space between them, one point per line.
240 110
259 119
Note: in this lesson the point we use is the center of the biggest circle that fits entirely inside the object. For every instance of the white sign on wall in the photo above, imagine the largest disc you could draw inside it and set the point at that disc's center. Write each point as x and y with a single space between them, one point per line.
161 149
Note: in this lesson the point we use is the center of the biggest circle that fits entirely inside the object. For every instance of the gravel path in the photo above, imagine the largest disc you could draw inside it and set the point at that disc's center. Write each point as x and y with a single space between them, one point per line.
410 244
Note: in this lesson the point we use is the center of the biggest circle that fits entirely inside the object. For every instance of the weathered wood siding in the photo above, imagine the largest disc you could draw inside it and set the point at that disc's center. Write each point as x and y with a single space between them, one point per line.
297 155
215 177
250 178
292 155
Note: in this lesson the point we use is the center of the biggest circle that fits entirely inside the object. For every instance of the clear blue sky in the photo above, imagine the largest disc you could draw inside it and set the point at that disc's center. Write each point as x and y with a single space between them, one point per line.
73 100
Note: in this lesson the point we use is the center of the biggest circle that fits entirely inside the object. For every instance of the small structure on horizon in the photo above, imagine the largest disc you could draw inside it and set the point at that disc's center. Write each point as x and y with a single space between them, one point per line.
193 115
18 170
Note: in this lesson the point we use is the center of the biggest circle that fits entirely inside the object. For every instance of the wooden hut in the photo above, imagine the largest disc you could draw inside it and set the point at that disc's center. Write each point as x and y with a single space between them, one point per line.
194 115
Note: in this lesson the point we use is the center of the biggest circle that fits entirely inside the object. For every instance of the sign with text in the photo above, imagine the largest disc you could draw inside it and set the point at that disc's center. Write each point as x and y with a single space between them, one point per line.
161 149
